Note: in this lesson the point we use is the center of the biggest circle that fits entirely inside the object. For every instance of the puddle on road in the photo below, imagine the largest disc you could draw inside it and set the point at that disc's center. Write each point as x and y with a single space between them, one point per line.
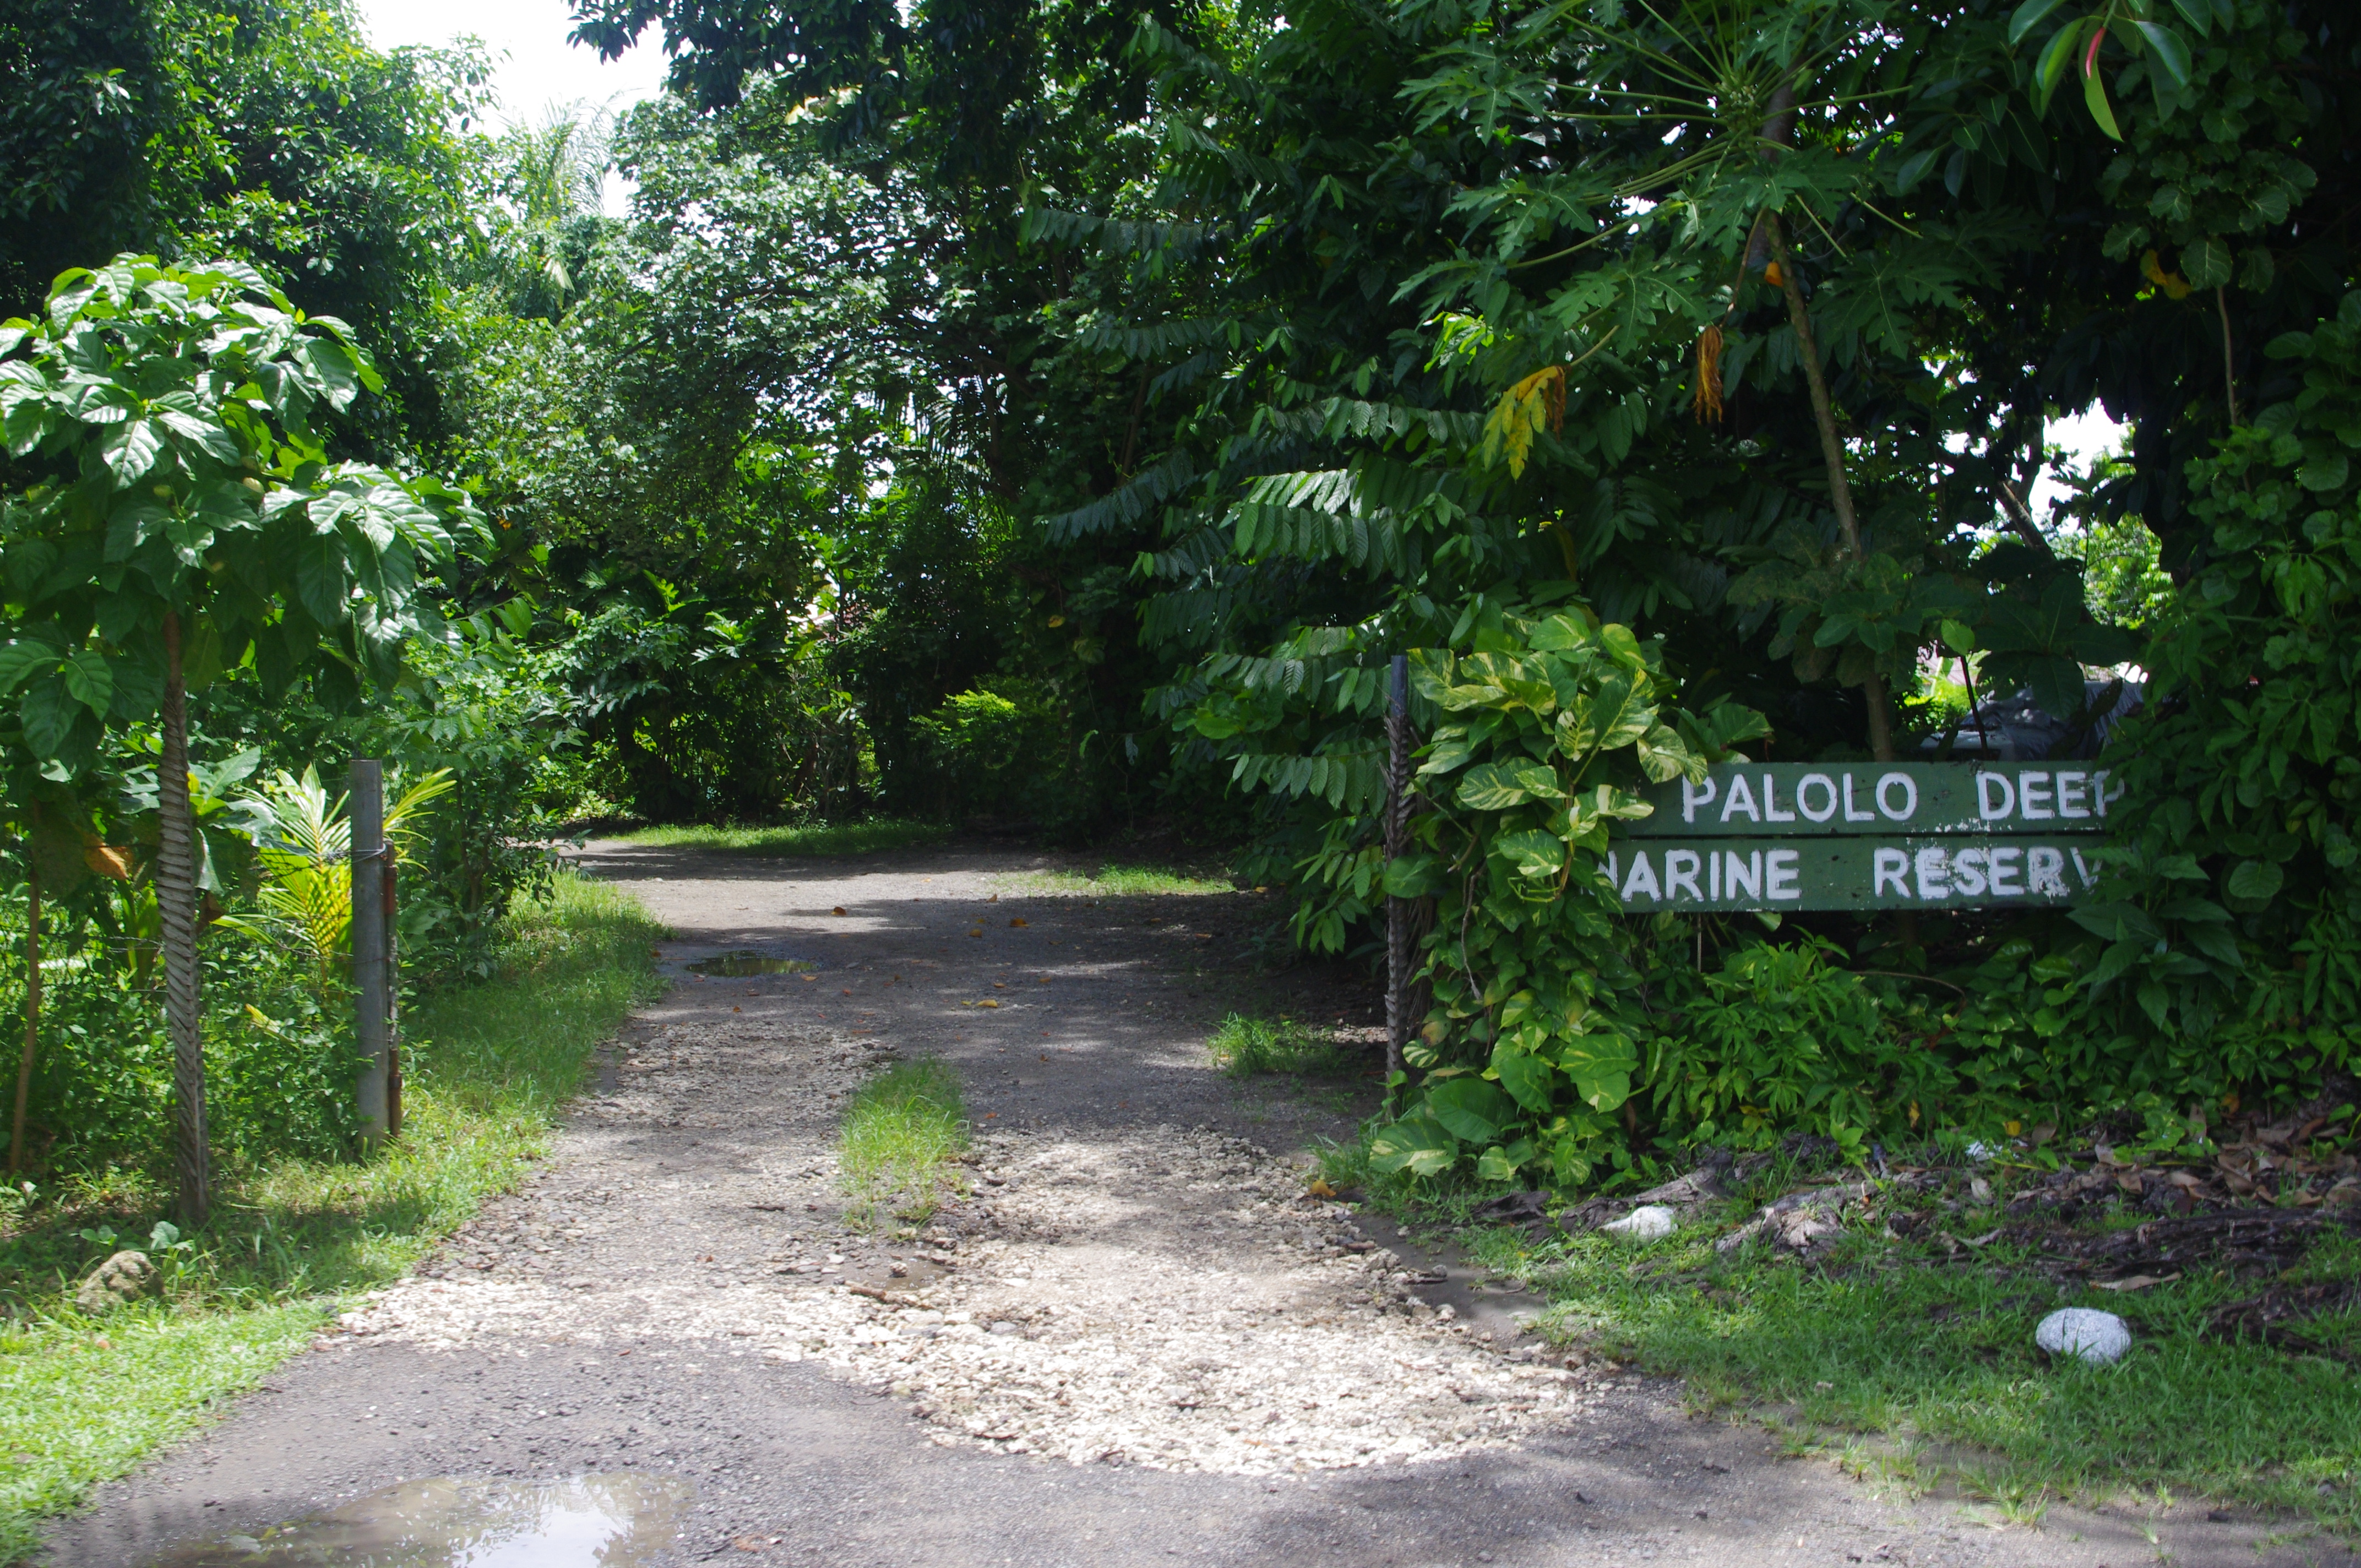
591 1522
739 966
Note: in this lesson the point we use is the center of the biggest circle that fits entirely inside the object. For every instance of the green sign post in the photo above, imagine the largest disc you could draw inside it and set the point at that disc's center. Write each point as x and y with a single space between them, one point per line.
1790 836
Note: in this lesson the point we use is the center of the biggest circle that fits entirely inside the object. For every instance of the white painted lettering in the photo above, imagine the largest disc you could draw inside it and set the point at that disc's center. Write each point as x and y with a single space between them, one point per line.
1892 867
2003 872
2033 796
1741 798
2045 868
1643 880
1770 812
1712 874
1850 815
1780 868
1696 794
1744 875
1968 873
1934 873
2085 870
2073 793
1985 807
1804 792
1909 796
1681 868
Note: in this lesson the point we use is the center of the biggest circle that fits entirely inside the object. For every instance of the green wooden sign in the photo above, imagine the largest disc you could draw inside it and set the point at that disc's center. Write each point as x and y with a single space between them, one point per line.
1795 799
1702 875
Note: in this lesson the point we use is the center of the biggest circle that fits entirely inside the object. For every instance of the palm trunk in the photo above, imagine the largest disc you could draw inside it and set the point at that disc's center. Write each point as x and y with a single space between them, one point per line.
32 1016
176 908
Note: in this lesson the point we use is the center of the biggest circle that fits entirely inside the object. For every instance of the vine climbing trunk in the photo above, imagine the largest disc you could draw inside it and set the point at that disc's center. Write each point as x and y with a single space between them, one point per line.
176 908
32 1016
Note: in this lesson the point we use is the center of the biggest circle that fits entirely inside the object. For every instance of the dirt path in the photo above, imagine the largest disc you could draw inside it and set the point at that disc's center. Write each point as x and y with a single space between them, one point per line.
1136 1341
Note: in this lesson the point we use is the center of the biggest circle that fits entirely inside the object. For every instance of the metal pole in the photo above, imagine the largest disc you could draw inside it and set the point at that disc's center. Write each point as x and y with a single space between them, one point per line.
370 1020
392 995
1398 954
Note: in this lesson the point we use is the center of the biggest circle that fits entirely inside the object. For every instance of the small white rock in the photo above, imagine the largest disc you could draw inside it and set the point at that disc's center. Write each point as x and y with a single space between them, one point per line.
2084 1331
1649 1222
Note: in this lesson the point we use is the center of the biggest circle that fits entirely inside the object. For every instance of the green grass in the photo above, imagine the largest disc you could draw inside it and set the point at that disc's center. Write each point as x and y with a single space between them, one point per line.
82 1400
1123 882
811 838
901 1134
1934 1362
1243 1046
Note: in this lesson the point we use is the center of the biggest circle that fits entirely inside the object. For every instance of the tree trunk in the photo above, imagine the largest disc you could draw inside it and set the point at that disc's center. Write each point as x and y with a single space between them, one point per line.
1881 722
1778 137
176 908
32 1016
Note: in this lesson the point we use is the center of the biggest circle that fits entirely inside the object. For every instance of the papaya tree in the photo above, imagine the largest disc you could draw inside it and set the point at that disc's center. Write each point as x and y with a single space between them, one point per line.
182 516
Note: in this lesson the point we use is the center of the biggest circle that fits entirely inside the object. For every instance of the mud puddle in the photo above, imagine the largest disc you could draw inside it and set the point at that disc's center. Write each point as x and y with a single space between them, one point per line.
589 1521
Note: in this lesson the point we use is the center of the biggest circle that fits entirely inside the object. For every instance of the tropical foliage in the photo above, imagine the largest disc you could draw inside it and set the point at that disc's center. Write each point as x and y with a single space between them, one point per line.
1060 414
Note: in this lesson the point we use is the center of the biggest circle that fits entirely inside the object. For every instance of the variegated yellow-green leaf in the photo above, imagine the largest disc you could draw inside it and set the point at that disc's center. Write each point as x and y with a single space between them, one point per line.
1492 786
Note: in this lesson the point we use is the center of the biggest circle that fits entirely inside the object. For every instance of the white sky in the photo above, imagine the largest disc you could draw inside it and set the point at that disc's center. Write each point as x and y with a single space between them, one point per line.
533 67
2088 435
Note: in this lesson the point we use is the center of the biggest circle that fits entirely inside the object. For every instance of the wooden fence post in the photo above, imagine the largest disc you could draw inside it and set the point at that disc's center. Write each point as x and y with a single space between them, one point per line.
372 1015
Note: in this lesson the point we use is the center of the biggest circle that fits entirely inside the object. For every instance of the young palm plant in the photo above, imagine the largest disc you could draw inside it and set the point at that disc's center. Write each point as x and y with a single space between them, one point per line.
303 843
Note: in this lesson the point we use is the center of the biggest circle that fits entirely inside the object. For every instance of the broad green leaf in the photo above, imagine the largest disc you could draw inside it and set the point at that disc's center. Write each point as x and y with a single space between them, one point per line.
1491 786
1664 755
1470 1109
1538 781
332 363
1495 1164
1562 634
2327 471
21 658
1447 754
2171 54
2028 17
1536 855
1601 1067
1416 1143
48 711
2052 67
130 450
1525 1076
89 681
213 439
2198 13
2095 97
2255 883
2206 263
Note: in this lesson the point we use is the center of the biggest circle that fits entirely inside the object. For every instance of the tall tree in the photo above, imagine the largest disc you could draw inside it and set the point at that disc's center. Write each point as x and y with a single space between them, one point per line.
190 522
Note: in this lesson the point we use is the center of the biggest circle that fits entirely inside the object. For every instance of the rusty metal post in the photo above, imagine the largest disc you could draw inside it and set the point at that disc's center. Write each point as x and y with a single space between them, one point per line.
372 1020
1396 826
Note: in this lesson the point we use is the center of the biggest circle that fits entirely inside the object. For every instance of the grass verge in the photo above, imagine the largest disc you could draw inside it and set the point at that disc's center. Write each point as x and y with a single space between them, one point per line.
1915 1365
1121 881
83 1399
901 1134
811 838
1243 1046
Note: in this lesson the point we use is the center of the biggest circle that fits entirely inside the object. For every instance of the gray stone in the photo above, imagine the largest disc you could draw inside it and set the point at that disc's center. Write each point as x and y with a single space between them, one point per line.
1649 1222
2084 1331
123 1279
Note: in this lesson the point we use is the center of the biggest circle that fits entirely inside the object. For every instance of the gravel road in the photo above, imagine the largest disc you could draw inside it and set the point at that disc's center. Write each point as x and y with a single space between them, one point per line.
1134 1340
